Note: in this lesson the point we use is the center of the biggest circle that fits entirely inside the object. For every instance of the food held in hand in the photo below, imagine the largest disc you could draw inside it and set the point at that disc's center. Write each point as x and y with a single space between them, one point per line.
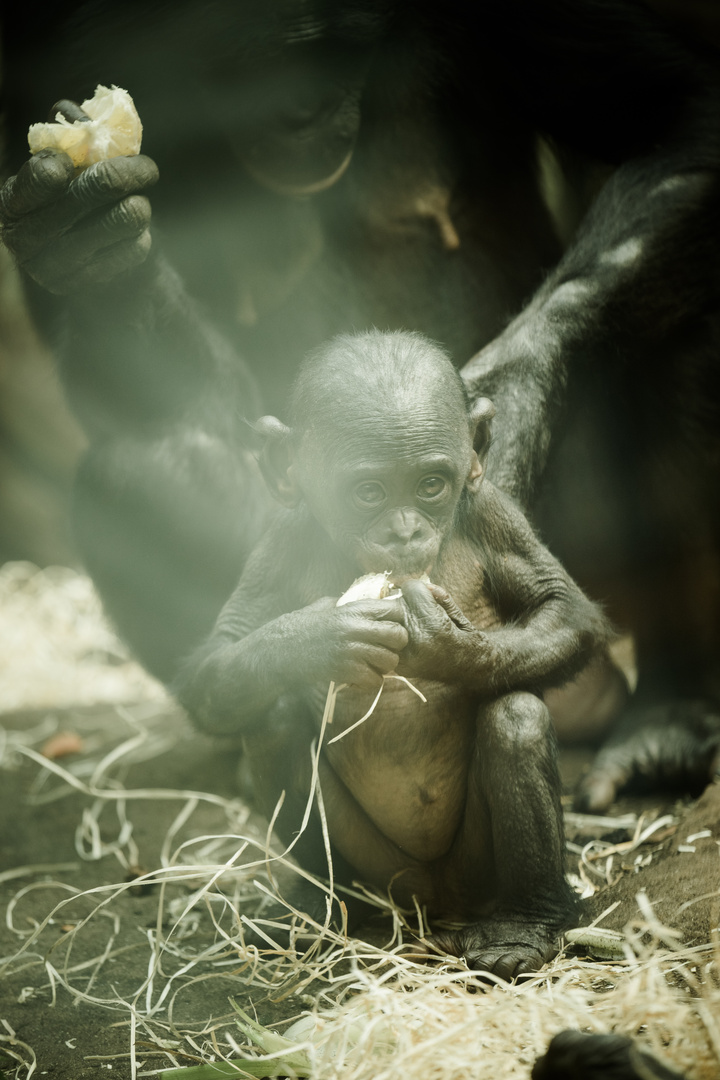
370 587
114 129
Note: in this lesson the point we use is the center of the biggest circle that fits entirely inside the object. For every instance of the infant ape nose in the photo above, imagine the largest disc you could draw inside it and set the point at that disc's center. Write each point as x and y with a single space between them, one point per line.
405 526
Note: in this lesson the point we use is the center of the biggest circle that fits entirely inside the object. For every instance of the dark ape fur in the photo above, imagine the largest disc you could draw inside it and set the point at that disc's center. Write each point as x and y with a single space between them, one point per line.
454 802
601 358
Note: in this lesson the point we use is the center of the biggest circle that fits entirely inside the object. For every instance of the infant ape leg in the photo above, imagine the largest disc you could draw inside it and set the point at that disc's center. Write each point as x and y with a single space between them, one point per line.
514 795
279 760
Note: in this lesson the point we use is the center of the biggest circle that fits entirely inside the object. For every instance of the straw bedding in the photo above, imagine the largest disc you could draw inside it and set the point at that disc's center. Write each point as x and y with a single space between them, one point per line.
145 922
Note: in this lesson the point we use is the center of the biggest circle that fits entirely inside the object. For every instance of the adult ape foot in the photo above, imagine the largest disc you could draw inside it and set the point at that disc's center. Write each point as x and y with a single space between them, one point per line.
573 1055
674 745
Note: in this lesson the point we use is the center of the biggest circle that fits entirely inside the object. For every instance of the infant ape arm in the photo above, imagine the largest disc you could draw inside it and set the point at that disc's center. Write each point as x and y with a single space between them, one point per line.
550 628
264 643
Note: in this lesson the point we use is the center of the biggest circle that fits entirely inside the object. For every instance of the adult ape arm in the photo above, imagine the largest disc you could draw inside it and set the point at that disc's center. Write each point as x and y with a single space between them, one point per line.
605 80
550 628
168 500
135 348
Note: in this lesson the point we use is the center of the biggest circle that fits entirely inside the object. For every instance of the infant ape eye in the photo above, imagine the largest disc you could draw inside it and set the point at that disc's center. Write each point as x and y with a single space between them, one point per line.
430 487
369 494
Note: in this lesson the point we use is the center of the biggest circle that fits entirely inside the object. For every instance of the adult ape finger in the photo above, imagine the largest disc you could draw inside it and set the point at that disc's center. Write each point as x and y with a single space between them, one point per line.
46 213
39 182
96 250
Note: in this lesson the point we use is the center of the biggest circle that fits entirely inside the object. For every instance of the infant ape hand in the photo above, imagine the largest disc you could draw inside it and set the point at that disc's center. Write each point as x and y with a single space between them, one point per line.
357 643
442 642
69 232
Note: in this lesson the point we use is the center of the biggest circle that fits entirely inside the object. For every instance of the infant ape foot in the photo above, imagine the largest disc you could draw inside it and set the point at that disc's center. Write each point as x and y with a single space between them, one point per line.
670 746
504 947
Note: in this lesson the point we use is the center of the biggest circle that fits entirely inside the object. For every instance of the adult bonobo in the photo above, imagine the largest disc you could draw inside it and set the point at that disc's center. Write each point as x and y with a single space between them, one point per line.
339 164
455 801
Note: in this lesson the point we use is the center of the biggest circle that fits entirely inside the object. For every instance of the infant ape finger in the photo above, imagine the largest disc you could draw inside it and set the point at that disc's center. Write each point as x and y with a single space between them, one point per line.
425 614
446 602
381 610
364 665
40 181
381 660
386 635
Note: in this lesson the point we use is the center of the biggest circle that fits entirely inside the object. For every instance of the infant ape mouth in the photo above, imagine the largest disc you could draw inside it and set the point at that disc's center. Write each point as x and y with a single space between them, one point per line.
400 578
403 560
416 569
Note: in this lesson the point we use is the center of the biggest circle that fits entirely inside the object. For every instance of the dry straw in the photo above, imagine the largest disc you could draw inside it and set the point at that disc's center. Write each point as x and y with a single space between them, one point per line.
370 1012
378 1014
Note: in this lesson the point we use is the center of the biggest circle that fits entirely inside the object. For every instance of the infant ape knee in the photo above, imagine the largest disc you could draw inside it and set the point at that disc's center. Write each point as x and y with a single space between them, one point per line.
519 723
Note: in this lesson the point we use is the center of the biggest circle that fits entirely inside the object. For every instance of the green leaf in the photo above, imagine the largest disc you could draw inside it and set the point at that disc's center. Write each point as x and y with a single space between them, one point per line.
230 1070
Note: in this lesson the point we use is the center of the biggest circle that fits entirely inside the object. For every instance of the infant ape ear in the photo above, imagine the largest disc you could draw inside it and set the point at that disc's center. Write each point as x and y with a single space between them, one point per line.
275 459
481 415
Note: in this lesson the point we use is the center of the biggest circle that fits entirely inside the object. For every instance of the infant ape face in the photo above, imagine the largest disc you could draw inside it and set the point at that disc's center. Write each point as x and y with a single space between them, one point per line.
386 489
381 448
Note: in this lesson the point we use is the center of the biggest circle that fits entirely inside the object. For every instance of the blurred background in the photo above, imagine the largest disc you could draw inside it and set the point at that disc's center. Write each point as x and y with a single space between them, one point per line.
39 440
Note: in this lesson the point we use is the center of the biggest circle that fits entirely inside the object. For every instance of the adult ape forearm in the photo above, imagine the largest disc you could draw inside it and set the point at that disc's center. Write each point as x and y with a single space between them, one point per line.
137 353
644 262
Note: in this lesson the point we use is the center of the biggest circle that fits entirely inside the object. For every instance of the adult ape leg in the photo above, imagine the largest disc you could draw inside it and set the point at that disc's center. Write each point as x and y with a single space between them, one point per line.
513 811
630 508
676 744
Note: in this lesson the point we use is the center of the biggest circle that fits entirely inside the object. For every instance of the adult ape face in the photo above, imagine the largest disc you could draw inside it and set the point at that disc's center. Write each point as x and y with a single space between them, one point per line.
299 137
385 481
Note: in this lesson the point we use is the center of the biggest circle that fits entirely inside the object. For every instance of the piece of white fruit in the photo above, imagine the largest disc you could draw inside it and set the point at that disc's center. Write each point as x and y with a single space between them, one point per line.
114 129
367 587
370 587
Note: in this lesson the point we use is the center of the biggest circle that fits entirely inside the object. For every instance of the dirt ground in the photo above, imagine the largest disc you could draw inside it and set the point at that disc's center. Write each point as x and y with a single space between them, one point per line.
72 1040
68 985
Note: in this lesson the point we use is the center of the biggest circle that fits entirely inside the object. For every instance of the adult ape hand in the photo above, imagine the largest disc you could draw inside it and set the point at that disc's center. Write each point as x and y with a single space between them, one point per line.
69 231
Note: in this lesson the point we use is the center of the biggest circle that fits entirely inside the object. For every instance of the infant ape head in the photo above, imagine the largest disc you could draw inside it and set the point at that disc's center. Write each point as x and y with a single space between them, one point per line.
381 448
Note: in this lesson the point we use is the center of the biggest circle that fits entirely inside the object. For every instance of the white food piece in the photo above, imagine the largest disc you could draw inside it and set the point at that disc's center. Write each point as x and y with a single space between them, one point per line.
370 587
114 129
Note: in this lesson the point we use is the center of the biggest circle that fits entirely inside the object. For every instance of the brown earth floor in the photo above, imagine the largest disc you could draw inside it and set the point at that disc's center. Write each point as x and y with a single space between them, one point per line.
73 1041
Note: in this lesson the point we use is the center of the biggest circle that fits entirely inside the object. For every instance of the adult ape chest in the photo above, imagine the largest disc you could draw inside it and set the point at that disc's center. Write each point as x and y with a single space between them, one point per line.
454 802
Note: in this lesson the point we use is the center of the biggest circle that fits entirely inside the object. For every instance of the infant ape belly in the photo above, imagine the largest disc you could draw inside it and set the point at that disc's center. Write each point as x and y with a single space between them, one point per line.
407 764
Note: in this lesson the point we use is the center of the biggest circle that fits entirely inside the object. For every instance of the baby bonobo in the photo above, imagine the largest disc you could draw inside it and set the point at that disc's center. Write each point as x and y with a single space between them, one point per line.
457 801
